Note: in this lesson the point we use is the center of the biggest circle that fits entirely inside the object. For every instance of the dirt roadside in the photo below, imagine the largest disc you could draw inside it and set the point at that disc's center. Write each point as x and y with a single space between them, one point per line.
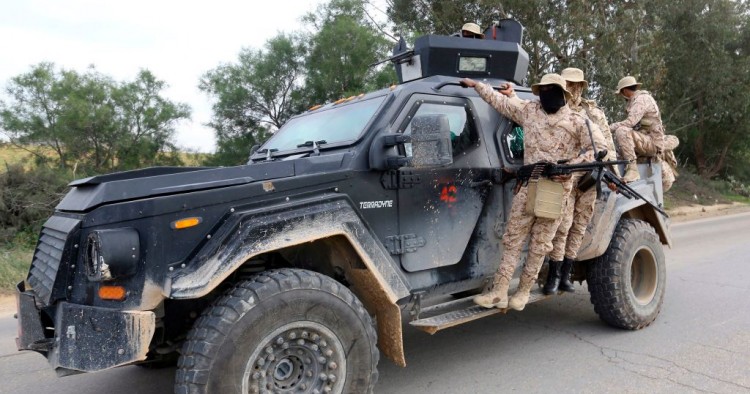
677 215
7 305
695 212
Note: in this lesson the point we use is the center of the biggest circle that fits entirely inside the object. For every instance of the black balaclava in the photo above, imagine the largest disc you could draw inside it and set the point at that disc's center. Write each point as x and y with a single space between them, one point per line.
552 98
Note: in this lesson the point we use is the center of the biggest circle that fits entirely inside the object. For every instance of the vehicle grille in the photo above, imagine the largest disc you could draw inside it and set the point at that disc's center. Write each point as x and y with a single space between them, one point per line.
48 256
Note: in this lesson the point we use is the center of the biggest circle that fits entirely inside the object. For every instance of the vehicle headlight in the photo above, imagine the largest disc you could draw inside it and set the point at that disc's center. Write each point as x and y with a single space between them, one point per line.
112 254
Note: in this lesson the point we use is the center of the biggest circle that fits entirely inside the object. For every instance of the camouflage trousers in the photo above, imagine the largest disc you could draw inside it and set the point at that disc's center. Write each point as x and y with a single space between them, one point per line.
634 143
520 225
579 208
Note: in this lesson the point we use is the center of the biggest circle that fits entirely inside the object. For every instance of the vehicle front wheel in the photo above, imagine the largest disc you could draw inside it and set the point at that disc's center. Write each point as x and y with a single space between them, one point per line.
282 331
627 283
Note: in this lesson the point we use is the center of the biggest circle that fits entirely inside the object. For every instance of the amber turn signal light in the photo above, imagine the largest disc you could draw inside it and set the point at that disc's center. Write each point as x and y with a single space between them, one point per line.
112 293
186 223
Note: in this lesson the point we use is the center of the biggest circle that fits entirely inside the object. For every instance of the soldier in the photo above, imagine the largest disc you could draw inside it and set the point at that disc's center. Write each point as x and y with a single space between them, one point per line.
669 162
643 114
580 205
552 132
470 30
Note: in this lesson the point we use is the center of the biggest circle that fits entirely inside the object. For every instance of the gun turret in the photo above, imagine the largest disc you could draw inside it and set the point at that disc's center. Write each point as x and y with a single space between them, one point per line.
498 56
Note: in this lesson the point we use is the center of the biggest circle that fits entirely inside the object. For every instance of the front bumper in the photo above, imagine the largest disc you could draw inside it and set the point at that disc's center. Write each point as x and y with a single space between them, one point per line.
85 338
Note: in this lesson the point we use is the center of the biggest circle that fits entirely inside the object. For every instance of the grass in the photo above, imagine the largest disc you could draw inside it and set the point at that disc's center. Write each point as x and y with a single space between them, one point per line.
10 154
692 189
738 198
14 264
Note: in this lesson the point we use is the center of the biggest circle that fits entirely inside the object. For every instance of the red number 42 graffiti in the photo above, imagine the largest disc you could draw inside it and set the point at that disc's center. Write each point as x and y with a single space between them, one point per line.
448 194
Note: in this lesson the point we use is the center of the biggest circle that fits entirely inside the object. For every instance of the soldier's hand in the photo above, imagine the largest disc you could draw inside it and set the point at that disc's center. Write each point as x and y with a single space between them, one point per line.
506 89
468 82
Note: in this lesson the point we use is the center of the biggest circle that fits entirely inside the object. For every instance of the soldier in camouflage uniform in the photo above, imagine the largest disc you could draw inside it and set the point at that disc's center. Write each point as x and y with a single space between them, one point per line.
644 115
552 132
669 162
580 205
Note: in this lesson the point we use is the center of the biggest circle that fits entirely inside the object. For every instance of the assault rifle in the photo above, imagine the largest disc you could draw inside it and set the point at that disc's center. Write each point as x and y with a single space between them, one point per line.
599 171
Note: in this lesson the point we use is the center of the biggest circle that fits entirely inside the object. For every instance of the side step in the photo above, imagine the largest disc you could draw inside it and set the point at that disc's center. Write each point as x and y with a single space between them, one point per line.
457 312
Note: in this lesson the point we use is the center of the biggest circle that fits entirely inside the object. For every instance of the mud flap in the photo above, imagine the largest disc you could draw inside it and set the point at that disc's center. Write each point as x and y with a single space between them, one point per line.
91 339
30 330
390 336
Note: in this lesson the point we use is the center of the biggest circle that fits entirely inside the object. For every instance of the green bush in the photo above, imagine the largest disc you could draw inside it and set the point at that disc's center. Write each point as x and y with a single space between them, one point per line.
14 264
27 198
738 187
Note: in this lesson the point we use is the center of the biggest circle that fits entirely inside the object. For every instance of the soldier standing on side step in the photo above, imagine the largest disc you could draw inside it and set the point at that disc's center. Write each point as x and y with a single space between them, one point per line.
552 132
580 206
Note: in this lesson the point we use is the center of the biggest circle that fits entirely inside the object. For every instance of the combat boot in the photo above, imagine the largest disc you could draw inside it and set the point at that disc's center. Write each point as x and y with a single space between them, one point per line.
565 283
521 297
631 173
553 277
495 296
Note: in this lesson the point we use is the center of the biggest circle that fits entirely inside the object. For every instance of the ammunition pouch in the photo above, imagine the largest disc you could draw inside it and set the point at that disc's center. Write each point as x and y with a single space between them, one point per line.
545 199
646 124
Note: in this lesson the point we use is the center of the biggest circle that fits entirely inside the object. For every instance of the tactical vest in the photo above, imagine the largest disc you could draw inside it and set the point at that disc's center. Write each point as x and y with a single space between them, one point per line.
586 107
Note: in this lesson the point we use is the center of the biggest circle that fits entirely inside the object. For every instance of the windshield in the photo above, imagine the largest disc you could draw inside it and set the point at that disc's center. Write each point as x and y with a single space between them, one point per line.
340 123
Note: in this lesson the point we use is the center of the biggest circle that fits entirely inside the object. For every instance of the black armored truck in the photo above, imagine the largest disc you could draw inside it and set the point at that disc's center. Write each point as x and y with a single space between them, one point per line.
293 273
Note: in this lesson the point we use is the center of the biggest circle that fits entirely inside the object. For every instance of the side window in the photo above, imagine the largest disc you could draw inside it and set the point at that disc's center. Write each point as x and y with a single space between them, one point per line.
513 142
463 132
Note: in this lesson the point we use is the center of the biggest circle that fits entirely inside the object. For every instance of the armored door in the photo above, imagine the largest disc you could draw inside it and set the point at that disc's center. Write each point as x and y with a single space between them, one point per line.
438 208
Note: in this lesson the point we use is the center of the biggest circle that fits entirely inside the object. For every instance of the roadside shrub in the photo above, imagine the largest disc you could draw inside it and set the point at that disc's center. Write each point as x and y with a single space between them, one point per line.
738 187
27 198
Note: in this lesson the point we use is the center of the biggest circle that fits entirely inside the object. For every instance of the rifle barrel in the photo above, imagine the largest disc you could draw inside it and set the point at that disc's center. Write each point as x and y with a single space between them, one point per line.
592 165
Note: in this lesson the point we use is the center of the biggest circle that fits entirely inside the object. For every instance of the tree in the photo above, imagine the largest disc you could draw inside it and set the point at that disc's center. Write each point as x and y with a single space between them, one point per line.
707 87
345 43
32 116
89 122
146 122
254 96
606 40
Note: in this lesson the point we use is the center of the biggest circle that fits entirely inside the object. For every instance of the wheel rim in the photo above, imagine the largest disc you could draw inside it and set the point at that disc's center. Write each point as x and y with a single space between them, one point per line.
299 357
644 276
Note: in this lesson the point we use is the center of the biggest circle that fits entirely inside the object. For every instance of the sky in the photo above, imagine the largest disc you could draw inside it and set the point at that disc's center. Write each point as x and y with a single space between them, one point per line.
176 40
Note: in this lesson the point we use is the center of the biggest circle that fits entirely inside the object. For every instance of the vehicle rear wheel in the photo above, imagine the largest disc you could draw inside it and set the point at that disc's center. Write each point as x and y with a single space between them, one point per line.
627 283
282 331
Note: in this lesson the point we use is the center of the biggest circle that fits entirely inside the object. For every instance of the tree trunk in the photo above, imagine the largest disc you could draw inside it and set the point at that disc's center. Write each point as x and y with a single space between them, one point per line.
698 147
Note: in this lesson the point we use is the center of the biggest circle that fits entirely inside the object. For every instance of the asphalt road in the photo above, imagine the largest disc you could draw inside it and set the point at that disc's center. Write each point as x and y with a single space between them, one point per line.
699 343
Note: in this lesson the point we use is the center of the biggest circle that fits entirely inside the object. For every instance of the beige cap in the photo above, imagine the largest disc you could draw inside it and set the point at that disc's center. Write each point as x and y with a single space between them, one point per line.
551 79
625 82
572 74
473 28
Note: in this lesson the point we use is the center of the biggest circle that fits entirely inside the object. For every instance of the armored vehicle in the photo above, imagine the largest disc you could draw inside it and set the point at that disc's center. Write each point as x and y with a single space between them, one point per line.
292 273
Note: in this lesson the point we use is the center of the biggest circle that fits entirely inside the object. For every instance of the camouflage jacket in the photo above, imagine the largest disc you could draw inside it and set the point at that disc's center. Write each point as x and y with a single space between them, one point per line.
642 108
547 137
589 109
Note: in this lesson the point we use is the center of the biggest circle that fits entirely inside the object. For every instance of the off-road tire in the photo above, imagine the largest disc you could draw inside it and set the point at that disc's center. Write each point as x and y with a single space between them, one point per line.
627 283
236 327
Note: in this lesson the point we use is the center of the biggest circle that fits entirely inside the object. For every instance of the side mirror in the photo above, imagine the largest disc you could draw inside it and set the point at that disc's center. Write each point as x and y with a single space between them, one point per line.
428 145
431 141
